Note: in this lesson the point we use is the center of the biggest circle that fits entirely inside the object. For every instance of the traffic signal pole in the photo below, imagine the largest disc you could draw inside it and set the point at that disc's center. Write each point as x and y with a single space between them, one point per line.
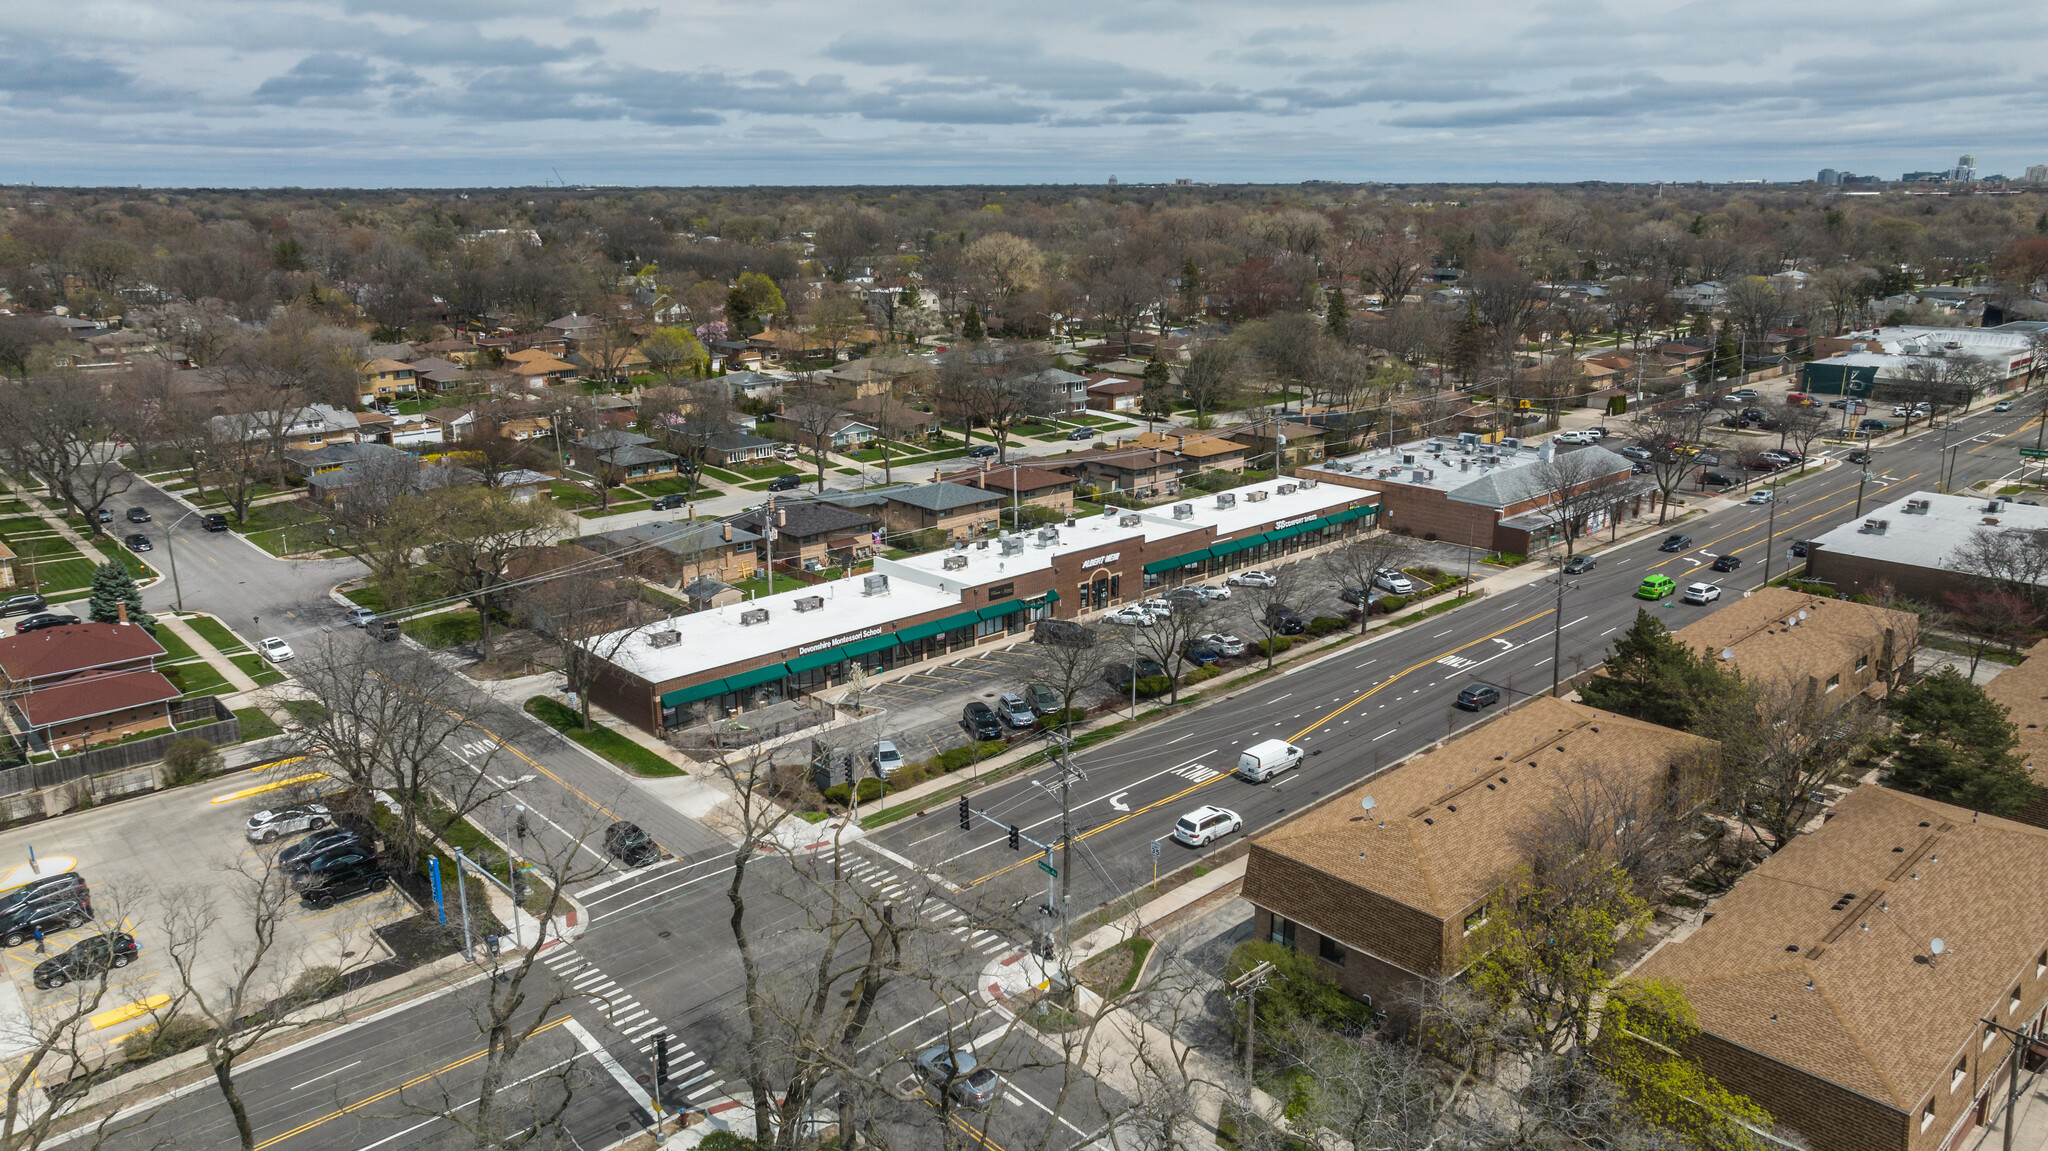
1054 906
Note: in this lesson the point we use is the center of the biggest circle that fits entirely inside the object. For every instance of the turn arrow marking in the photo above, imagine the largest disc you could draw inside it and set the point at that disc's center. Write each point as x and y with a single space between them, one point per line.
1116 802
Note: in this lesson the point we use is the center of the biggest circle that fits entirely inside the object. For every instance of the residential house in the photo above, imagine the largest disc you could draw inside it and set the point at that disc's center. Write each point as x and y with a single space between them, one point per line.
681 553
627 454
38 659
574 329
807 534
1140 473
1850 984
739 355
94 707
730 447
313 426
310 462
515 423
1818 646
909 423
384 380
1066 391
537 369
882 375
1109 393
1385 882
6 566
1279 443
400 430
754 385
843 433
1196 451
615 364
961 512
1019 484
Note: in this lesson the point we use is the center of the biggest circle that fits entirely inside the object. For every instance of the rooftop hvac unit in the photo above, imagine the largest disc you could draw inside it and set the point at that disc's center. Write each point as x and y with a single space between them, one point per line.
1407 457
1183 511
1256 496
1048 536
753 615
981 545
1435 446
1310 481
1070 521
1011 546
1468 439
955 563
663 638
1226 500
810 603
1288 489
1917 507
1130 521
874 585
1511 443
1994 506
1424 475
1876 527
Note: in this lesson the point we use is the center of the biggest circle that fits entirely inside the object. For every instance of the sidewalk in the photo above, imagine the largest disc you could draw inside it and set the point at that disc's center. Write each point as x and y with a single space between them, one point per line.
70 534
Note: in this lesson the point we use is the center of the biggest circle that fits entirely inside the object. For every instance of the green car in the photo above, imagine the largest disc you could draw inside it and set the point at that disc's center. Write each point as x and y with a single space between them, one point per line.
1656 587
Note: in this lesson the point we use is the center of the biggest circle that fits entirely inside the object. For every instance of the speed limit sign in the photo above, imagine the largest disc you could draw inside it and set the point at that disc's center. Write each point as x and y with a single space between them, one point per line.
1155 849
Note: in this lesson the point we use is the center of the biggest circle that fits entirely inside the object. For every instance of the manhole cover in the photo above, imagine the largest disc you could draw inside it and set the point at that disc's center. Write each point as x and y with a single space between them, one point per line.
622 1125
641 1080
661 934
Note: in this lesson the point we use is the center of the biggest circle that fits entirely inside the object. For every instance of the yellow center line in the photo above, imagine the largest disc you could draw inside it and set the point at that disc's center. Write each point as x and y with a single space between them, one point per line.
1738 531
1333 714
359 1104
2028 426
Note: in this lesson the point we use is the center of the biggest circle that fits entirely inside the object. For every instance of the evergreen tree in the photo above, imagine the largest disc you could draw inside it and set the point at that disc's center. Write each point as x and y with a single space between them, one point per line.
971 329
1339 318
1156 401
1955 744
1727 361
111 587
1654 677
1191 288
1468 344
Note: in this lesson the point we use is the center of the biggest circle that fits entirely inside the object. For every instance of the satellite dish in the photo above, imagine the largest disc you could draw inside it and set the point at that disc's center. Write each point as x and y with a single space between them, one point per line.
1368 803
1802 615
1937 947
1727 653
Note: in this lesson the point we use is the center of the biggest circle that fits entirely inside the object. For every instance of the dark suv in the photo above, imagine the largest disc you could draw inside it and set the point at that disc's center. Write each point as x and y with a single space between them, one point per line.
1477 696
1119 674
627 843
1285 620
56 902
87 959
28 604
339 884
216 522
671 501
788 483
980 720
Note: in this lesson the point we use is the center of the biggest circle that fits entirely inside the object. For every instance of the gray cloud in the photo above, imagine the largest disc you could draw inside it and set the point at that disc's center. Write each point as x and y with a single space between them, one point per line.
321 76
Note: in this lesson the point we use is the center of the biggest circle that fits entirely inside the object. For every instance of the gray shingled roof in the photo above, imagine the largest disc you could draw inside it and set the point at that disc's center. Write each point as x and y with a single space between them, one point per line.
1504 486
684 539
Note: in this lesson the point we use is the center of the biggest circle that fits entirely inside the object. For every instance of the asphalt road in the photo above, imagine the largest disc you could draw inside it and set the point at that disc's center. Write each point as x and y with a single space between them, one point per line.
1369 705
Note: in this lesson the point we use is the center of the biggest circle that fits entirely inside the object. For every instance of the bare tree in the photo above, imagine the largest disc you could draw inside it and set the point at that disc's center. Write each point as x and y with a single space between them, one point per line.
588 610
1782 740
1355 564
1578 484
1212 378
1673 438
1754 306
67 432
1172 633
382 521
1068 662
1259 607
2014 558
480 530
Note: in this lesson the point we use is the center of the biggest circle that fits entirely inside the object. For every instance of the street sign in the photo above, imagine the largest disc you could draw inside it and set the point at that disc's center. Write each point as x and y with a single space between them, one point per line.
1048 868
2035 453
1155 849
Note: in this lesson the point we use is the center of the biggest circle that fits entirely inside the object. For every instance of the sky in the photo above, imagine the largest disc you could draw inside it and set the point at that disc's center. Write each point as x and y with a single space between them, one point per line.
450 93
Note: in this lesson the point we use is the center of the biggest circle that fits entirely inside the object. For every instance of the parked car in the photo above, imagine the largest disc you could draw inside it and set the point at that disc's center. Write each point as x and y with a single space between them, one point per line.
627 843
1701 593
49 912
1577 564
271 824
359 616
86 959
1253 579
1206 825
137 542
1727 563
1675 542
980 721
28 604
138 515
60 887
1387 579
1061 631
1119 674
1574 437
1656 587
102 515
1761 496
1838 404
343 883
1634 452
1859 456
1224 642
1745 393
45 619
215 522
1799 547
1779 456
1043 699
1717 480
957 1072
1900 411
1356 593
275 649
1476 696
307 869
981 452
1200 654
1082 434
1285 620
788 483
317 843
888 761
384 629
1873 426
2002 406
1210 591
671 501
1130 616
1012 709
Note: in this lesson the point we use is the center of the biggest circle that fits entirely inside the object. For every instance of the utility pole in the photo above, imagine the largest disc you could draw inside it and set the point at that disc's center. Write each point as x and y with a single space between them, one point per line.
462 897
1557 631
2012 1076
1246 987
1771 535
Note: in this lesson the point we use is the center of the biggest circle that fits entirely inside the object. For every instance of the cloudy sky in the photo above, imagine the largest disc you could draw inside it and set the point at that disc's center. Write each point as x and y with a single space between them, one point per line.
510 92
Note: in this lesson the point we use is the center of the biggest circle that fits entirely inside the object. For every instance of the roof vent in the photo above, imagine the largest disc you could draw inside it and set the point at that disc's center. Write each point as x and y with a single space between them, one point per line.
1226 499
1920 507
753 615
667 638
809 603
981 545
1256 496
1183 511
874 585
1129 521
1308 482
955 563
1876 527
1048 536
1511 443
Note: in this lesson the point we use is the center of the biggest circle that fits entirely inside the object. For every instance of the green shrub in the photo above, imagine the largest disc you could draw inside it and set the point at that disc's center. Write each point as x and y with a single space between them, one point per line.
835 795
178 1033
188 760
953 759
1154 686
1065 715
1325 624
726 1141
1391 603
1301 989
314 984
1433 576
1274 646
1203 675
991 748
1506 559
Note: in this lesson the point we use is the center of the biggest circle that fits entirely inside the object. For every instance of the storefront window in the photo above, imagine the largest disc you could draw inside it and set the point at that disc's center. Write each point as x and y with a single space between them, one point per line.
988 627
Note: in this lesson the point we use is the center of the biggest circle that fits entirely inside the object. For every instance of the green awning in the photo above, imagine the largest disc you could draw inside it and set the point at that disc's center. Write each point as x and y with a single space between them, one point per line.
1285 533
693 693
1346 516
871 644
756 677
1232 547
1052 596
927 630
1000 609
1186 559
816 659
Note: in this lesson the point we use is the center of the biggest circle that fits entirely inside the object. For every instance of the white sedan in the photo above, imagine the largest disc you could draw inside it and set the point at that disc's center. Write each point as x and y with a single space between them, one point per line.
1132 616
275 649
1224 642
1701 593
1760 496
1254 579
1210 592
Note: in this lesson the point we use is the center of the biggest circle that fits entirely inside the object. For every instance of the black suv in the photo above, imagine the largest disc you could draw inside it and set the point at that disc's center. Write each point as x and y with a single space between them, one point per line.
1676 542
216 522
1477 696
87 959
1716 480
313 870
1285 620
49 904
336 885
316 843
1119 675
22 605
671 502
628 844
1061 631
980 720
787 483
138 515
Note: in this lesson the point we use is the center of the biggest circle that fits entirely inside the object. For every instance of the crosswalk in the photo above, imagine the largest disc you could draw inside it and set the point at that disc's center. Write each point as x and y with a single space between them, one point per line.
886 882
689 1076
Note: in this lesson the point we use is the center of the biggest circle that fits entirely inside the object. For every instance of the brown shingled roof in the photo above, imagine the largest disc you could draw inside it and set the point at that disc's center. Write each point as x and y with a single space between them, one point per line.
2024 692
95 693
1880 1019
1451 816
1832 632
58 651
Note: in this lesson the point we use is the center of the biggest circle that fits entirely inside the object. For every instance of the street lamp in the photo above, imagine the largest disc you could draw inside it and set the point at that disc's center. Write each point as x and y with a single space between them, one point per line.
170 545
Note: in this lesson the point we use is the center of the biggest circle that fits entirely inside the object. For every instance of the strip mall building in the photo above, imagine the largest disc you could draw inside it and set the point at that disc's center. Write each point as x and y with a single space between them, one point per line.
707 664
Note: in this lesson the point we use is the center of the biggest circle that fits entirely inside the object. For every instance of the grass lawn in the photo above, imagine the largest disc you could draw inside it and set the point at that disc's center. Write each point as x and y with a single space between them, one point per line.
446 629
175 648
758 586
673 487
767 471
257 668
847 471
605 742
616 508
255 723
10 507
134 564
196 679
64 575
1033 430
215 633
721 475
1088 418
281 527
568 495
366 596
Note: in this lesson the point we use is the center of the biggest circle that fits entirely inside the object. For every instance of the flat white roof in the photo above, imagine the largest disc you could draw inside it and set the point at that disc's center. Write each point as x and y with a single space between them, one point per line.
1305 502
985 561
1927 539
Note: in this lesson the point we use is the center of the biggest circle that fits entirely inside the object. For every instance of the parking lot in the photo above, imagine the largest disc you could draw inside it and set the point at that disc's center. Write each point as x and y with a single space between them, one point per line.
175 862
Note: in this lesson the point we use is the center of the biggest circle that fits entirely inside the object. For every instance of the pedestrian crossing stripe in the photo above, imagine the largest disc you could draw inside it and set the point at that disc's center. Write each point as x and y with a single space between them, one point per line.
1195 772
1458 662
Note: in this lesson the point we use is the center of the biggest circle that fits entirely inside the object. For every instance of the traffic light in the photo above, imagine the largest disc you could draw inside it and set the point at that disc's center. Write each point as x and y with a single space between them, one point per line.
1014 835
966 819
660 1060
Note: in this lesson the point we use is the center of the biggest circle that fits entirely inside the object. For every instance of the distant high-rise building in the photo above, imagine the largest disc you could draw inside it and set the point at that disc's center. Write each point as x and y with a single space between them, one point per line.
2037 173
1965 171
1830 176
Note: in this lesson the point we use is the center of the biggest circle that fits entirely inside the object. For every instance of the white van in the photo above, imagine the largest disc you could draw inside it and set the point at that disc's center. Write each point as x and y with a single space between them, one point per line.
1263 761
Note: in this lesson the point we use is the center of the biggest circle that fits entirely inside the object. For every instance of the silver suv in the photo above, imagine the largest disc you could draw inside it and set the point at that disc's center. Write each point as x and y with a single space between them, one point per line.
957 1072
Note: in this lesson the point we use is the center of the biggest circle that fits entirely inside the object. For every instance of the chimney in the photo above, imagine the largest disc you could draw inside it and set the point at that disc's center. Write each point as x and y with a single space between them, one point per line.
121 609
782 517
728 533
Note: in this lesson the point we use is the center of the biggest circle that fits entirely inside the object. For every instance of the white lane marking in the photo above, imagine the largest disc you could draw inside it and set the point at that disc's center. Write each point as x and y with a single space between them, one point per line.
1116 802
633 1090
318 1078
1383 735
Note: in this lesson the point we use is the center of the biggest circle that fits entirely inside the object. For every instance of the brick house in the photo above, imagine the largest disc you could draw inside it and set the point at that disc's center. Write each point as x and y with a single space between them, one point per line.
95 707
679 553
1143 473
1033 487
1388 896
1111 393
960 511
629 455
1279 444
41 658
385 380
1816 644
1818 993
810 535
1196 451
